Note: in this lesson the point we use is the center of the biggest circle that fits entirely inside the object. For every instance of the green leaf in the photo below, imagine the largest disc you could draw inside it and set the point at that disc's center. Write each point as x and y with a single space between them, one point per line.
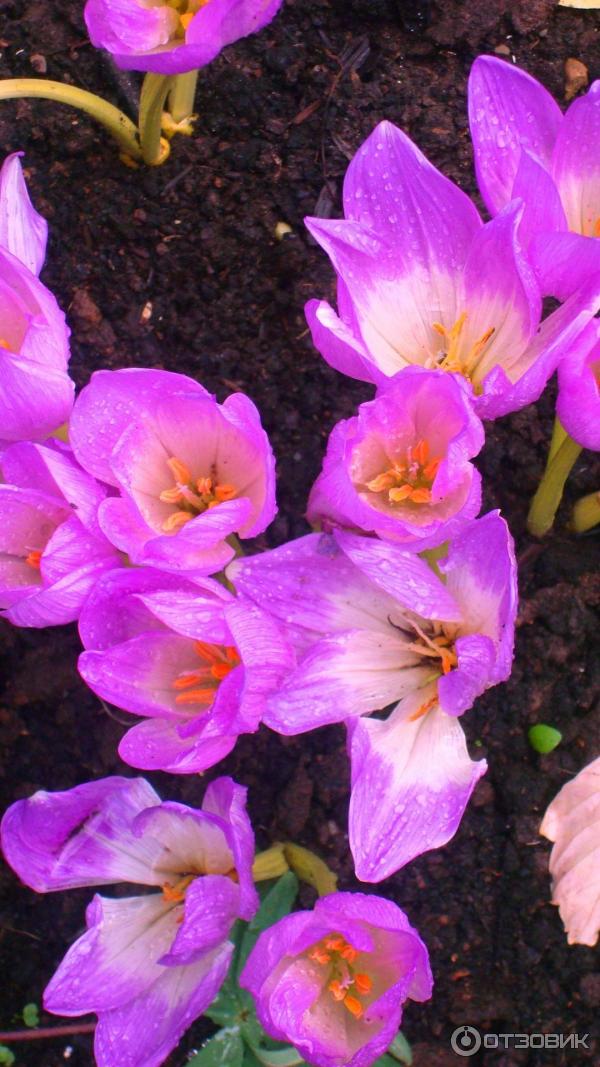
544 738
282 1057
225 1049
278 902
7 1058
401 1050
31 1015
385 1061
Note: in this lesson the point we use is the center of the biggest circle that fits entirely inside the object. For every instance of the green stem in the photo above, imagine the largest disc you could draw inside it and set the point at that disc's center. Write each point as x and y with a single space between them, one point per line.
550 490
155 89
113 120
559 435
586 513
182 96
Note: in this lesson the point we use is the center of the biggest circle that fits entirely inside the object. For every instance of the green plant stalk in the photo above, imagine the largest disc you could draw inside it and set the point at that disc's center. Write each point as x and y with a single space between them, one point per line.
586 513
182 96
116 122
155 89
559 435
550 490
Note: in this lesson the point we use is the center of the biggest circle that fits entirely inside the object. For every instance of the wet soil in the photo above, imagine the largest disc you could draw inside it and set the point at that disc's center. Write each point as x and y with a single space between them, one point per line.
180 268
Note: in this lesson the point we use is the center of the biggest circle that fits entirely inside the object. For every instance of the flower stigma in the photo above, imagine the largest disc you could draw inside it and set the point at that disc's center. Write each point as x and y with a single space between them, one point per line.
191 496
409 479
345 984
200 686
452 359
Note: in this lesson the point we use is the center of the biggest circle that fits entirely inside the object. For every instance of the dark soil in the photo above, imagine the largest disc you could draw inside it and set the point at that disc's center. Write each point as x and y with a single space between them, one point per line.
281 115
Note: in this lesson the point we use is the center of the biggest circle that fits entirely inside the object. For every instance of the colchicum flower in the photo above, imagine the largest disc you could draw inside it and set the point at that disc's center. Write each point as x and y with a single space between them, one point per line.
149 964
373 625
172 36
194 660
422 281
401 468
52 550
36 393
333 981
525 147
189 472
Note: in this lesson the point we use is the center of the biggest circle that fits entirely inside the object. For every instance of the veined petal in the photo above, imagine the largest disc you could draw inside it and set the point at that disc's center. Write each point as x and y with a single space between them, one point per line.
338 344
402 574
390 186
145 1030
527 377
116 960
576 163
111 402
225 799
344 675
542 207
564 262
481 573
210 910
411 782
139 674
81 836
500 294
22 230
508 110
397 292
161 744
310 583
578 402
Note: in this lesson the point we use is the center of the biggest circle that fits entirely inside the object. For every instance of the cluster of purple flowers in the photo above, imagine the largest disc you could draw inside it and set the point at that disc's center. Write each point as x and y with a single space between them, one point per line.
403 602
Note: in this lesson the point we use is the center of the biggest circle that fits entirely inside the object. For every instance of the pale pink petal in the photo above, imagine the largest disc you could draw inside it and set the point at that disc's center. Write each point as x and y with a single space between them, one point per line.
572 822
411 782
22 230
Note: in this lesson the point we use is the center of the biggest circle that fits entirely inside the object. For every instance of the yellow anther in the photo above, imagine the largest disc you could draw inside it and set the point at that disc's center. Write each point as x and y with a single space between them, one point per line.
179 471
452 359
176 521
409 479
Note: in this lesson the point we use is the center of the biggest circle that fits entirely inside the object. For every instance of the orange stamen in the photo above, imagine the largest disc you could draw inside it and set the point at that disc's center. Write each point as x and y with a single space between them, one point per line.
420 496
348 953
179 471
176 521
319 955
363 983
224 492
353 1005
194 696
186 19
335 943
595 233
420 712
34 559
402 493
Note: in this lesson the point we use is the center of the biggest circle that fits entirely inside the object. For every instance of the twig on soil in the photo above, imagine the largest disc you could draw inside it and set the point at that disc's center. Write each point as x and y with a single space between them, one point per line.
45 1032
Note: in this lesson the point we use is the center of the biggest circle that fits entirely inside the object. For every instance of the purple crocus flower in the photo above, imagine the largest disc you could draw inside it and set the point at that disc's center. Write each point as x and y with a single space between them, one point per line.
195 661
148 965
422 281
189 472
172 37
401 468
52 550
36 393
374 625
525 146
333 981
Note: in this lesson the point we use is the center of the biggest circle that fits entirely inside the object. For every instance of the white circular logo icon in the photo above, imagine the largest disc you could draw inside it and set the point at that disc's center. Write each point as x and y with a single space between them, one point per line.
466 1041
